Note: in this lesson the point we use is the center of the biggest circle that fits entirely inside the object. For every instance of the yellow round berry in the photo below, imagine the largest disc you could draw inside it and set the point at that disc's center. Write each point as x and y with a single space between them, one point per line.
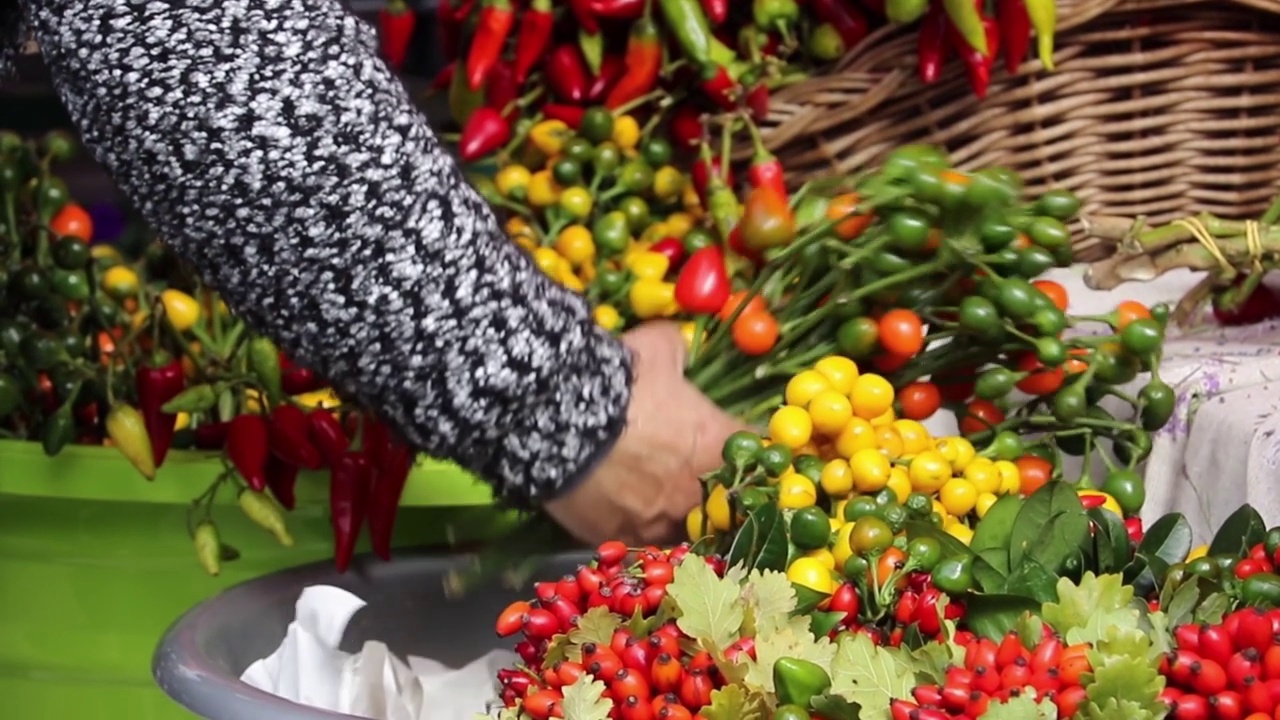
836 478
870 470
830 411
804 386
872 396
929 471
839 371
791 426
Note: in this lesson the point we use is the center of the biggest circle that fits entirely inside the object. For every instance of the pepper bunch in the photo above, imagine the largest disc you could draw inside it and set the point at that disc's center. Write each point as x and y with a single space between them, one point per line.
979 33
101 347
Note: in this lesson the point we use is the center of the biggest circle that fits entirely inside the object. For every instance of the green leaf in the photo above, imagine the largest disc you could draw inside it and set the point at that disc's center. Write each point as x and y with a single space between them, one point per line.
1030 629
761 542
585 699
1181 607
1168 538
1123 678
834 707
807 599
993 616
870 676
1145 573
792 641
930 660
986 574
822 623
1022 707
1031 579
1161 634
596 625
710 606
1241 531
951 546
768 599
1110 540
991 537
1213 608
733 702
1085 612
1048 525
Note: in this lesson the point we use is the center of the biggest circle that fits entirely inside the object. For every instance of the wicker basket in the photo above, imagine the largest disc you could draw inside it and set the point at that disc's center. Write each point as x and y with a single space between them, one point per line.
1157 108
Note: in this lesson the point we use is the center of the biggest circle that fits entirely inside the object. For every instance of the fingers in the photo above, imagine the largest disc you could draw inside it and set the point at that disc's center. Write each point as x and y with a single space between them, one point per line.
660 343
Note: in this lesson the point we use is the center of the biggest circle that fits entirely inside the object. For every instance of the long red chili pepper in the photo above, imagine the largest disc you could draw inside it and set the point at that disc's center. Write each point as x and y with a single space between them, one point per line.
248 448
1015 32
211 436
670 248
977 63
444 78
567 73
396 23
686 125
157 386
611 70
327 435
585 16
282 481
486 131
349 482
388 485
719 86
717 11
845 17
502 92
495 23
766 170
644 64
703 285
570 115
757 101
533 39
290 438
376 440
932 45
618 9
295 379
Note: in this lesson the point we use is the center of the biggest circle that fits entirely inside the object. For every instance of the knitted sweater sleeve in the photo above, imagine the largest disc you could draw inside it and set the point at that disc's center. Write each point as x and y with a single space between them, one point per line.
272 149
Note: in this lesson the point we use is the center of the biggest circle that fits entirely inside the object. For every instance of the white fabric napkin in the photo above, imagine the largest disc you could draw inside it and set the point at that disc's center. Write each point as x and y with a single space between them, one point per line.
309 669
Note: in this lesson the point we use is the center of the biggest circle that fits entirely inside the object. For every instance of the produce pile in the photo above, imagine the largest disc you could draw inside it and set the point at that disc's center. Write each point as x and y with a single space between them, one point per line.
927 582
100 348
515 63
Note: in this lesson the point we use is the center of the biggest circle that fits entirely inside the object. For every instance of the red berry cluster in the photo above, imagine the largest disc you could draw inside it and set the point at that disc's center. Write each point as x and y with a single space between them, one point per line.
1257 561
647 677
923 605
1229 671
996 672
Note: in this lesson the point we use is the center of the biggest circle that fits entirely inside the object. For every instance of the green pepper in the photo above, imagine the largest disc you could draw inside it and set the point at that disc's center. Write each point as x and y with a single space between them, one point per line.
1070 403
611 233
1261 590
772 13
1157 400
774 459
1272 541
1007 445
596 125
10 395
1114 366
995 383
1142 337
42 350
953 575
741 448
567 172
463 101
924 553
686 20
810 528
195 399
979 316
11 334
1127 487
1205 567
797 681
1033 261
657 151
636 176
856 567
57 430
70 253
69 284
209 547
1058 204
32 282
264 361
791 712
637 212
51 196
606 158
696 239
1132 447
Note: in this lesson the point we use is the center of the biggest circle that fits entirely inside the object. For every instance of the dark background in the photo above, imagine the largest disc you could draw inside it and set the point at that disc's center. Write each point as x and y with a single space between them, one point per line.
29 106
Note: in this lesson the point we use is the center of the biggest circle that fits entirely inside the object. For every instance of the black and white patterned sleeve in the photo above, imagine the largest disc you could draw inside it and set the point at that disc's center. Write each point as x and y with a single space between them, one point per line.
269 145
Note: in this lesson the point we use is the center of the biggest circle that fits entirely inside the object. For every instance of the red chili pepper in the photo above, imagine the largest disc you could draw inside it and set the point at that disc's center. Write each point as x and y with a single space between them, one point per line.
618 9
396 23
502 92
388 485
570 115
977 64
932 43
1015 32
444 78
496 20
718 85
349 482
766 170
248 448
845 17
290 438
327 435
535 37
717 11
703 168
486 131
157 386
294 379
757 101
585 16
376 440
447 31
611 71
686 126
211 436
670 248
567 73
282 480
644 64
703 285
463 11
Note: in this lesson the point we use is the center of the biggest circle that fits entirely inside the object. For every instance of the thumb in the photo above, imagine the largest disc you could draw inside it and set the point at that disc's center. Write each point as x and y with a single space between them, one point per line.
712 427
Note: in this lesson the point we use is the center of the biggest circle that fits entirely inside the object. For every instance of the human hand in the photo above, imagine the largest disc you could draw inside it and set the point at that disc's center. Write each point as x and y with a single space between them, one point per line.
643 489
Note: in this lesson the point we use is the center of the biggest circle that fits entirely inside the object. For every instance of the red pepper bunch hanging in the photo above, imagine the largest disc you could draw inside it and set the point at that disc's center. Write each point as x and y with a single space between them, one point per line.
962 27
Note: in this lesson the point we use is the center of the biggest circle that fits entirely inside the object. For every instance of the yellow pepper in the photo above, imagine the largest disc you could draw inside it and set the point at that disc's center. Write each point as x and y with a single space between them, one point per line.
648 265
322 398
655 232
607 317
548 261
104 252
626 132
527 242
571 281
543 190
651 298
690 200
576 245
182 421
668 183
180 309
120 281
513 181
549 136
679 224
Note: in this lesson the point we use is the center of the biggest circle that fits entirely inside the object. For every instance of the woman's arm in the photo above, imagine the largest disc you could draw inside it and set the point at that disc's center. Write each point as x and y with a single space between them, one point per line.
269 145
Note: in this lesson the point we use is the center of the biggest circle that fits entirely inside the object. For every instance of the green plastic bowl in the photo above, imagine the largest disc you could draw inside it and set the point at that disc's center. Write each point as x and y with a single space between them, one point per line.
95 563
